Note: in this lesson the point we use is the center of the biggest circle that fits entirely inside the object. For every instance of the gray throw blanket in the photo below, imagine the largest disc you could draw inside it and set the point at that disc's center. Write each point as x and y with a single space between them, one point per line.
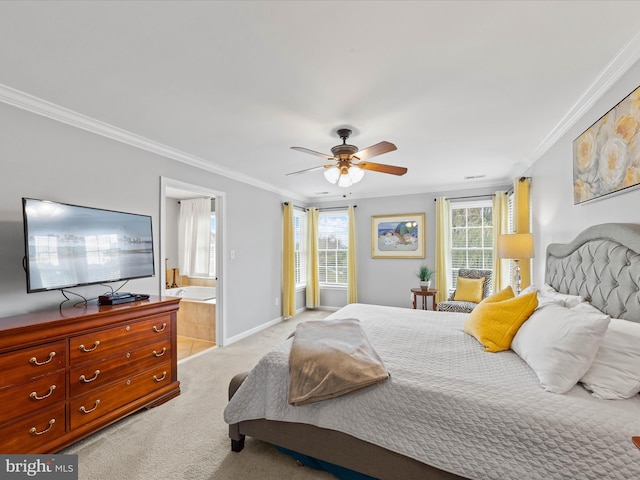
330 358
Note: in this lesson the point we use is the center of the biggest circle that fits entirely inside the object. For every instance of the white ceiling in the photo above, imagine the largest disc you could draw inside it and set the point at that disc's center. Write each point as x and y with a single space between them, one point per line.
462 88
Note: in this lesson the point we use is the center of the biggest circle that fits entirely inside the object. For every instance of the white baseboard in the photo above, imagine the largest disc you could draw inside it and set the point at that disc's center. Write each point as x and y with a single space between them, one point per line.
240 336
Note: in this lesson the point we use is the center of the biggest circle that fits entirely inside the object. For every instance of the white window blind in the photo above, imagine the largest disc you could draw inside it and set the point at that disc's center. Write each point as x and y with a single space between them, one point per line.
333 241
471 236
300 247
212 248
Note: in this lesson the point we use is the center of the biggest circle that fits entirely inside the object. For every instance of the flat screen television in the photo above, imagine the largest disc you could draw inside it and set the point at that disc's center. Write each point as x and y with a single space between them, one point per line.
69 245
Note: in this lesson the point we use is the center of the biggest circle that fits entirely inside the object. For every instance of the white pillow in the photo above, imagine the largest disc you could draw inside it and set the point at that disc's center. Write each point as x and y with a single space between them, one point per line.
615 372
562 298
559 344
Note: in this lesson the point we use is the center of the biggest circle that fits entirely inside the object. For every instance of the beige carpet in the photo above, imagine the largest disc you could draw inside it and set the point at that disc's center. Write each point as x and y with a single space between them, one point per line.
186 438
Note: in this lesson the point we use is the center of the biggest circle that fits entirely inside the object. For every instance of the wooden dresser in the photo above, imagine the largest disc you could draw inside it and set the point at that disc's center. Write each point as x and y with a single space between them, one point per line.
66 374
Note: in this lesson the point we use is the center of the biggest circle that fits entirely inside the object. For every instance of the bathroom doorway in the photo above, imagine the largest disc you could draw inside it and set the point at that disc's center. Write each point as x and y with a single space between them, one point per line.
201 318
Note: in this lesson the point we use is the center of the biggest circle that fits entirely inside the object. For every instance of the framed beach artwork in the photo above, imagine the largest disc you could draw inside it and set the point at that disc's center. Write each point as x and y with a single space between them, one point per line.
398 236
606 157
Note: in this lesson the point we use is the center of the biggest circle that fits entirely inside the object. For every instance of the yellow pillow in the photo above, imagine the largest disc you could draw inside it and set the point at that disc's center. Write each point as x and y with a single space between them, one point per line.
504 294
469 290
494 323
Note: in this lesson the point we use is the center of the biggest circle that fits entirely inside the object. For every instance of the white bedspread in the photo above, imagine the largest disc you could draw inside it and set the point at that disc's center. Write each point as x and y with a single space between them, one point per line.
453 406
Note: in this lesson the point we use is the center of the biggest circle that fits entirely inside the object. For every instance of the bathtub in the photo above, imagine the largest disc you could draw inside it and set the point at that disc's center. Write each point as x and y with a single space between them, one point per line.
201 294
197 313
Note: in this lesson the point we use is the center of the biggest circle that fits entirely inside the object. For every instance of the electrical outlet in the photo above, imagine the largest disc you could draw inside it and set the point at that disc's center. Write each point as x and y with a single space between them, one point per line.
277 301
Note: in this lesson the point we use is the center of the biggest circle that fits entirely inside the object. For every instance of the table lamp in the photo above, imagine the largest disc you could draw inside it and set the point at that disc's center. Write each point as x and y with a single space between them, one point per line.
515 246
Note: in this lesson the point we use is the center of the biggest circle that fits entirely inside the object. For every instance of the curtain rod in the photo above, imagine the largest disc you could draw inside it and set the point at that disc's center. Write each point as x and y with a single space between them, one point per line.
335 208
319 209
296 206
488 195
521 179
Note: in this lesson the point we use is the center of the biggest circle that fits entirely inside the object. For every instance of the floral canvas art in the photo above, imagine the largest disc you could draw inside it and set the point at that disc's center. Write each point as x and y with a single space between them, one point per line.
606 157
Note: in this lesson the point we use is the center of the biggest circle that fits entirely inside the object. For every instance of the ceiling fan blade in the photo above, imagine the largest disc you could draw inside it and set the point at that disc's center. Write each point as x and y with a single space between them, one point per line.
382 168
373 150
313 152
312 169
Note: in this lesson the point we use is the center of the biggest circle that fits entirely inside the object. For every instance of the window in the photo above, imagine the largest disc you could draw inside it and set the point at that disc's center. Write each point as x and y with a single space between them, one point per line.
471 236
333 242
212 247
300 247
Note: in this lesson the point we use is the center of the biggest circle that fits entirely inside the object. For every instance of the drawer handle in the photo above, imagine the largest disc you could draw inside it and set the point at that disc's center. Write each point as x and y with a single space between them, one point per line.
34 360
85 349
35 396
156 354
89 380
157 330
85 411
33 430
164 375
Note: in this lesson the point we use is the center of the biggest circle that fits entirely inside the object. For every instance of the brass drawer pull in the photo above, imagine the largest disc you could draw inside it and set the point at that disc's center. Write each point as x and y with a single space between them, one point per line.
33 430
34 360
157 330
35 396
89 380
164 375
156 354
85 411
85 349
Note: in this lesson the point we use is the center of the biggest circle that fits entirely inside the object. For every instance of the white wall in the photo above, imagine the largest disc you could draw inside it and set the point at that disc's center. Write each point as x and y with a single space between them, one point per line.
42 158
555 218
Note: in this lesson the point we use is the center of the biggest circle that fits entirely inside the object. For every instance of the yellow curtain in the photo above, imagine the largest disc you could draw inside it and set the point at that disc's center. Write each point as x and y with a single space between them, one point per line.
443 227
288 260
500 226
521 221
352 284
313 283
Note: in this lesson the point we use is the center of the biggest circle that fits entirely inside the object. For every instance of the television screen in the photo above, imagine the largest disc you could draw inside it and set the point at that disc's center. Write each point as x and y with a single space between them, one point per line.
69 245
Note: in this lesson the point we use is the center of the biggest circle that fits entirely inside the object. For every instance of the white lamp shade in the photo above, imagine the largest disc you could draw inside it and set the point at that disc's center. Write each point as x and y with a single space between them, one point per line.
345 180
332 174
515 246
355 173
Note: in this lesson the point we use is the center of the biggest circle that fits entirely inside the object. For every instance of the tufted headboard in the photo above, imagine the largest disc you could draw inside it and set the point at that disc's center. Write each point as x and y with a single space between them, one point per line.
603 265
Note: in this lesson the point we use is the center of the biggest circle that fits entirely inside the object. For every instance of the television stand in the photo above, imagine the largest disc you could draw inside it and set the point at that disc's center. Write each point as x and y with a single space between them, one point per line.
65 374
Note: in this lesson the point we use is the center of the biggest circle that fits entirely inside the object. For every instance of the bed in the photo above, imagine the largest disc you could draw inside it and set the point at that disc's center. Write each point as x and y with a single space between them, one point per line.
451 410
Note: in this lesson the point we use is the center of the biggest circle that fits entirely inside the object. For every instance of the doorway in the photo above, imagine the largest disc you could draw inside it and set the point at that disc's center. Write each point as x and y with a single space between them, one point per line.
210 310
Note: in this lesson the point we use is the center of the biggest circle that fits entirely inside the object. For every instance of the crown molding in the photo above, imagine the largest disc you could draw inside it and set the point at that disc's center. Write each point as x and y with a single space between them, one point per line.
36 105
614 70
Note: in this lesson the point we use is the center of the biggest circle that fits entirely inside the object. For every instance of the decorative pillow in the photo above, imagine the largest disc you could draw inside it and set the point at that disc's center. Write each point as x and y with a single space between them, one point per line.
494 322
469 289
615 372
504 294
563 299
559 344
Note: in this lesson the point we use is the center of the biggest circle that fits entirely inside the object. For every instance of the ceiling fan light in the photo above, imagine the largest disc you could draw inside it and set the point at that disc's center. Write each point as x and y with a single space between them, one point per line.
345 181
355 173
332 174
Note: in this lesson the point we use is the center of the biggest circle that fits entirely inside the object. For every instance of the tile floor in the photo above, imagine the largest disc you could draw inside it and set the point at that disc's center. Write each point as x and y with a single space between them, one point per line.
190 346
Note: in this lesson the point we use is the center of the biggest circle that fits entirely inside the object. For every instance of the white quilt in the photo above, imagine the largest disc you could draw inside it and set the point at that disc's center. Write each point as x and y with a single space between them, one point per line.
453 406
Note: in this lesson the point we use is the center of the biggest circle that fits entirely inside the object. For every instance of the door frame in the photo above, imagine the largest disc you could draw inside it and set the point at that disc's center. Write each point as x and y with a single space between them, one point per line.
221 204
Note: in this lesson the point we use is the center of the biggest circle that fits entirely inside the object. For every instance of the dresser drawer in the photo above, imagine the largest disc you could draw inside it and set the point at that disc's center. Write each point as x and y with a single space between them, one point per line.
104 343
94 375
29 433
92 405
29 397
23 365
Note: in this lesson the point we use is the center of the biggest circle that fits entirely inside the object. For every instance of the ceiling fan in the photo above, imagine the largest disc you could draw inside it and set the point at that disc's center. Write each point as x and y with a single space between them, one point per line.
351 162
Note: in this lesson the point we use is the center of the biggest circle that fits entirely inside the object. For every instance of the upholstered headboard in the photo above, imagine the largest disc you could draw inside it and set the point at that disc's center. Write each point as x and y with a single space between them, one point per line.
603 265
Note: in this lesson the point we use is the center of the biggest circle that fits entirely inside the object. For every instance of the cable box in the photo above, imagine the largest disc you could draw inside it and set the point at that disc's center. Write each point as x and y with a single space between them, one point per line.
118 298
